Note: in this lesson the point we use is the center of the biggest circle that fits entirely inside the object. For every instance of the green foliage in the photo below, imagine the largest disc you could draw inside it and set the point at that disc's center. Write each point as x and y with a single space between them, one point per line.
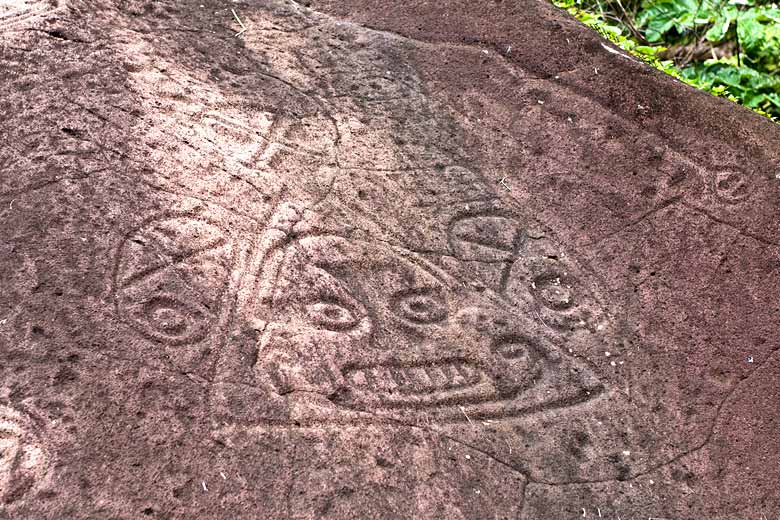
759 35
730 48
659 18
752 88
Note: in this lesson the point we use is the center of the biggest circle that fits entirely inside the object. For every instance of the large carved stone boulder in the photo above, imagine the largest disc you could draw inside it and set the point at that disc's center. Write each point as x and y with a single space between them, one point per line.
361 259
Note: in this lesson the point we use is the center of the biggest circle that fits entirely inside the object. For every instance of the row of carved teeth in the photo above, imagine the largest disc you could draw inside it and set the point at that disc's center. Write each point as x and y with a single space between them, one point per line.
416 379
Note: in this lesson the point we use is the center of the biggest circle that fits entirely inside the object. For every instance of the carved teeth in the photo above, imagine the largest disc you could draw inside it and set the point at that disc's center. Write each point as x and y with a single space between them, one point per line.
415 379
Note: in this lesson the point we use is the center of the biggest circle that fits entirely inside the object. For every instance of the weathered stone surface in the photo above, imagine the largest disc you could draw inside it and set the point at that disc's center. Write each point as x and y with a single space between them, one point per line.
370 259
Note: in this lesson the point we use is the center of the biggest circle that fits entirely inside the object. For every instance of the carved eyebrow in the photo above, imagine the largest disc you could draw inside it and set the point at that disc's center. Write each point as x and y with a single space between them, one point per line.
338 284
175 259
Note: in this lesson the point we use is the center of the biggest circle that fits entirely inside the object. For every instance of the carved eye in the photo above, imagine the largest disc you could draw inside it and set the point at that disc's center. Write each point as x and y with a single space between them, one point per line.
732 186
421 307
331 316
516 349
554 293
167 319
524 369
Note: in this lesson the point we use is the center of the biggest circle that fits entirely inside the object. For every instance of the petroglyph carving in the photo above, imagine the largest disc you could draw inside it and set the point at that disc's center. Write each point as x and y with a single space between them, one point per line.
731 186
242 139
24 461
550 282
537 274
259 140
485 238
165 278
373 328
378 329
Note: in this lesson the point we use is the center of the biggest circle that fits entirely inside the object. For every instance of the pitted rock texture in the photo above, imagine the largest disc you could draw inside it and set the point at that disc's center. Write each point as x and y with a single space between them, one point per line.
376 260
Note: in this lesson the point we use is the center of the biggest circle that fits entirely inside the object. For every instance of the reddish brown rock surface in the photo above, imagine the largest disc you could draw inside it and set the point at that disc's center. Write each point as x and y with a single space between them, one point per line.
376 260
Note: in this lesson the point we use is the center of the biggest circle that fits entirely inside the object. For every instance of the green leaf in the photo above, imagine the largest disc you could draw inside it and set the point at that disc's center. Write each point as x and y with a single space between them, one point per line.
753 99
659 18
753 80
759 36
723 22
774 98
649 50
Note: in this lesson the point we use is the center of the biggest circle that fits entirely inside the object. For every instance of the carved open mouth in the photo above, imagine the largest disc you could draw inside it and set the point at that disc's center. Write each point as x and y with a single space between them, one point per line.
423 383
528 378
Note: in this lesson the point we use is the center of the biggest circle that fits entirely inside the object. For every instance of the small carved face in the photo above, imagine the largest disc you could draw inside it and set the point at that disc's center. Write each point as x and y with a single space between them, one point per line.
530 269
378 329
170 281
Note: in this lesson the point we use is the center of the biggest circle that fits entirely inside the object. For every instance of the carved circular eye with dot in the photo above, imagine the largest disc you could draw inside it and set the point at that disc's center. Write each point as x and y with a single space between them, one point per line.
331 316
732 186
523 366
554 292
169 319
421 308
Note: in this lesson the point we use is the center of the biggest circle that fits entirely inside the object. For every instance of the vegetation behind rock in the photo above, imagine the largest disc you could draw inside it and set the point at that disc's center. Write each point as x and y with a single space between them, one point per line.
729 48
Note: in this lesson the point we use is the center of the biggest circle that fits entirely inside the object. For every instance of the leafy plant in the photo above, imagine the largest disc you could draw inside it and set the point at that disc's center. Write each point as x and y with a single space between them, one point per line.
759 37
730 48
752 88
660 18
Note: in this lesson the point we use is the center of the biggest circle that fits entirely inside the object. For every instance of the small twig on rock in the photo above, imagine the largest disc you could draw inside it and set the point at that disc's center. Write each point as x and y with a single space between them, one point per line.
243 27
463 410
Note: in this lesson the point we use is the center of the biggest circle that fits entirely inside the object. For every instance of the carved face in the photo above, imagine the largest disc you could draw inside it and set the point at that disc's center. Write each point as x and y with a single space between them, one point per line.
168 291
530 269
367 327
378 329
171 281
